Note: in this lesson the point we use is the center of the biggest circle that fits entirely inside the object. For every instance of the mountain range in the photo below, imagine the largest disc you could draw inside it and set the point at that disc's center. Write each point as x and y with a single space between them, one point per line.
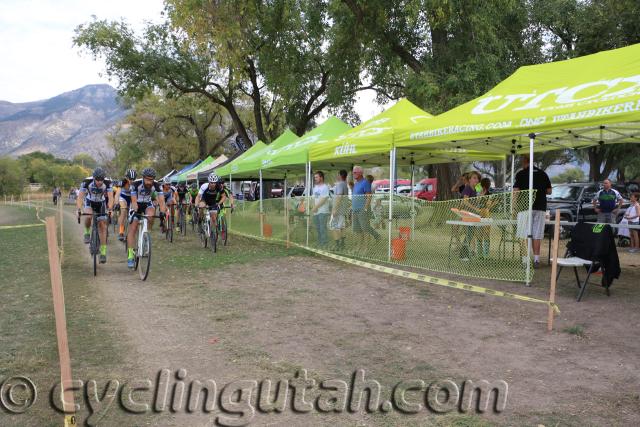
68 124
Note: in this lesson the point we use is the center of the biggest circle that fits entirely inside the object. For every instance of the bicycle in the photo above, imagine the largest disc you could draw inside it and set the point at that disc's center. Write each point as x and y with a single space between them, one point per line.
169 222
116 216
143 248
94 242
195 218
209 234
182 218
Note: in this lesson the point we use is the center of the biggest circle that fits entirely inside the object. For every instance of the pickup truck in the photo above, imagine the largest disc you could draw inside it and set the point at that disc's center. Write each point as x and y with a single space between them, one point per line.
575 201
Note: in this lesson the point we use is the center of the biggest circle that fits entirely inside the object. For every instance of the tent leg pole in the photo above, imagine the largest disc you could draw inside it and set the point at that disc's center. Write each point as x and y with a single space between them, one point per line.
532 137
261 212
307 190
392 187
413 201
230 192
286 210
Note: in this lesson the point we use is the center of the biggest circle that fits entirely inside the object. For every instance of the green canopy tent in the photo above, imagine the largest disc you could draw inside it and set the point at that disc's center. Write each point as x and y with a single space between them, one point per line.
232 167
248 166
201 165
580 102
207 168
372 143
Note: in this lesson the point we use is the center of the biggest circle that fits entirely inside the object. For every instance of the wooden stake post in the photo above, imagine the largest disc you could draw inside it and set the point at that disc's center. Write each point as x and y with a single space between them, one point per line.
554 270
61 321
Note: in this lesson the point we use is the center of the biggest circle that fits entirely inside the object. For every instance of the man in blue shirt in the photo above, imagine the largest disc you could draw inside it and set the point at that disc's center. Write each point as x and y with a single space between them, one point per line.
360 203
607 203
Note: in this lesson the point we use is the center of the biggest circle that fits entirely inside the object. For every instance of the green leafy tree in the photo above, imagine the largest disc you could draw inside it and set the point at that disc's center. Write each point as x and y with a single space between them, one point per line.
85 160
569 175
438 53
12 177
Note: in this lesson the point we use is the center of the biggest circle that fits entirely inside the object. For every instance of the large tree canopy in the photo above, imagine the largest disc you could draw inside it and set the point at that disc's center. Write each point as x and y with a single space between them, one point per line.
279 64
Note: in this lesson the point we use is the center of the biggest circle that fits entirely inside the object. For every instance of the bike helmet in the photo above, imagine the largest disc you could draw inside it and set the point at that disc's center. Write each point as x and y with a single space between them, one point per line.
213 178
99 173
149 172
130 174
166 181
194 185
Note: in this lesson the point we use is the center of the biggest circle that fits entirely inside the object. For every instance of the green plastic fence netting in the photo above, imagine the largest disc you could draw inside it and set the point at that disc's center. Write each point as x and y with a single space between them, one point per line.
427 235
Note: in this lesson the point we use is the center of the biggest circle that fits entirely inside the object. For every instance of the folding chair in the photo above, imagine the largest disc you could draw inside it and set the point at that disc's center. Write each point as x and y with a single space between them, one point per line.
581 239
576 262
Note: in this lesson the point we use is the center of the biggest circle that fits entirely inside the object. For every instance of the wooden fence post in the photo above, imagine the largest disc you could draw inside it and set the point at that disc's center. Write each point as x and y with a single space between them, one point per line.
60 320
554 270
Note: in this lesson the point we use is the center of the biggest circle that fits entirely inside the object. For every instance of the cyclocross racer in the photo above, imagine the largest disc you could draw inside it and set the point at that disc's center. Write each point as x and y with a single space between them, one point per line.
193 193
143 192
168 191
212 196
123 196
182 190
94 192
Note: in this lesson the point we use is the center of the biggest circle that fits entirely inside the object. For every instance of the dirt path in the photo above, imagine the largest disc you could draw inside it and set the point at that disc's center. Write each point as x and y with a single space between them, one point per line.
274 317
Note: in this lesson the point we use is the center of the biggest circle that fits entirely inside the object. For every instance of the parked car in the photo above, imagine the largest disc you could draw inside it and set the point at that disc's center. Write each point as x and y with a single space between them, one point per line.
276 190
426 189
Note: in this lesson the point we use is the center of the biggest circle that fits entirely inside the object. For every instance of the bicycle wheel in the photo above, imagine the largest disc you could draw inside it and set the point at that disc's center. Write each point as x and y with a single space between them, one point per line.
204 234
223 231
194 218
214 239
172 225
183 222
145 257
114 220
94 246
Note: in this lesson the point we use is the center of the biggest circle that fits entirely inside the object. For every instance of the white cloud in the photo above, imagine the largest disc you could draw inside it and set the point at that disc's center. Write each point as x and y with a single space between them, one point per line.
38 57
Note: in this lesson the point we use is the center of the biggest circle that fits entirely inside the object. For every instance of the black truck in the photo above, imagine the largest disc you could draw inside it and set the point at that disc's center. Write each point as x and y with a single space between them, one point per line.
574 201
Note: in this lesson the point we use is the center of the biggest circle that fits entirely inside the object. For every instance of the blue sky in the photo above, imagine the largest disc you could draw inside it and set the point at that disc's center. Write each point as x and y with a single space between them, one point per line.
38 58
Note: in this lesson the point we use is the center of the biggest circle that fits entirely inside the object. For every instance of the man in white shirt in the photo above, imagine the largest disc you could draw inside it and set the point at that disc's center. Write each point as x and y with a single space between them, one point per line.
321 207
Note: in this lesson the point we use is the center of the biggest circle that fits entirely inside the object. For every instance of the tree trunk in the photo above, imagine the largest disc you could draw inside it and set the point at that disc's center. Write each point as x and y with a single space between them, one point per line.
595 162
237 123
447 175
202 142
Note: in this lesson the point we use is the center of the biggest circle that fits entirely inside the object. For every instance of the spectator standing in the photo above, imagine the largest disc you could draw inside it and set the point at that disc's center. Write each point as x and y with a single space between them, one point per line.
56 193
542 185
360 205
376 204
459 186
484 233
469 191
321 207
337 222
632 215
607 203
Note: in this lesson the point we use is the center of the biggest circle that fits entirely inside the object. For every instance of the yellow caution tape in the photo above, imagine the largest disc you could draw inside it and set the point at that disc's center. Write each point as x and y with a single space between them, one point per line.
417 276
6 227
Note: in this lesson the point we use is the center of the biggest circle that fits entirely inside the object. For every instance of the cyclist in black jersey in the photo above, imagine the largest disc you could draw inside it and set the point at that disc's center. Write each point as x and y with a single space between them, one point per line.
143 192
212 196
168 191
182 192
123 197
96 195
